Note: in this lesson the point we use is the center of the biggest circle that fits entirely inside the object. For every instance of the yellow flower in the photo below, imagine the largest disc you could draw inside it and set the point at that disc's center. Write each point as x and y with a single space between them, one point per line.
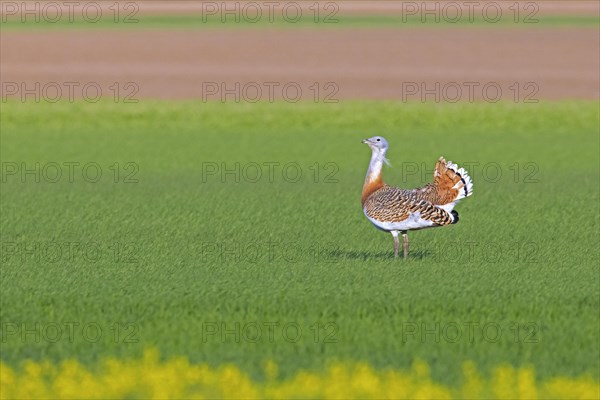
149 377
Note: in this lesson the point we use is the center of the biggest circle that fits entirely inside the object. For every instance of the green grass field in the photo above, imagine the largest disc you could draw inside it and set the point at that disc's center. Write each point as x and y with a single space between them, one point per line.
174 251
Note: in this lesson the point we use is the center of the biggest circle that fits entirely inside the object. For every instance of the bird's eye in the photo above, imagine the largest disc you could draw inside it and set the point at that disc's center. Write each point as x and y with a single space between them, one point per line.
379 140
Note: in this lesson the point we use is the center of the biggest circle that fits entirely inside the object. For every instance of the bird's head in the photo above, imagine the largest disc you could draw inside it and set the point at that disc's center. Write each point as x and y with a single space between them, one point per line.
377 144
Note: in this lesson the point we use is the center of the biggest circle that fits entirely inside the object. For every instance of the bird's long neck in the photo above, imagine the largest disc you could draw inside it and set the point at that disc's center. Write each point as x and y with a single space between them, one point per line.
373 180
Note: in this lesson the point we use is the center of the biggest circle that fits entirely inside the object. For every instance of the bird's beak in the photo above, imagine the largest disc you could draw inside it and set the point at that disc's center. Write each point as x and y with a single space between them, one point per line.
365 141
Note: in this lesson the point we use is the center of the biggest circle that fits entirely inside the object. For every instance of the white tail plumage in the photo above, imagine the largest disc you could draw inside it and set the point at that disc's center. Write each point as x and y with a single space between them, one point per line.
465 181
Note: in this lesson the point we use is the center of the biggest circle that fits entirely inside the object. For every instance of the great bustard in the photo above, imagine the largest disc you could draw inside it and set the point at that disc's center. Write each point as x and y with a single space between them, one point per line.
394 210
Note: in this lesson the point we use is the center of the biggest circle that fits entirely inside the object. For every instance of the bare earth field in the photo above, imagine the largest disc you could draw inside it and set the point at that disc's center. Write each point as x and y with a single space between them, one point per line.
368 63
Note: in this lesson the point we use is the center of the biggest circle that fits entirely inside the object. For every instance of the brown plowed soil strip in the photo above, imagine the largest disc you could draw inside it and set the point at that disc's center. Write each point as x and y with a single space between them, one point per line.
363 63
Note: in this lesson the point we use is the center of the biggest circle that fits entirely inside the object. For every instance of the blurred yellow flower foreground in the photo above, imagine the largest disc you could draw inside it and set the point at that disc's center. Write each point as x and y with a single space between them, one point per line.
177 378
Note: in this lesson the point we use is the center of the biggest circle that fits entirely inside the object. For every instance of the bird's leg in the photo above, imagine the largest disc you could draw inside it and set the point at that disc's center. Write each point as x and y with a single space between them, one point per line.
405 237
396 243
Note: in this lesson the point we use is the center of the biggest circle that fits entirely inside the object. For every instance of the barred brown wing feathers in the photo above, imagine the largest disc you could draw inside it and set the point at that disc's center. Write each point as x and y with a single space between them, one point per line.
428 192
391 204
387 205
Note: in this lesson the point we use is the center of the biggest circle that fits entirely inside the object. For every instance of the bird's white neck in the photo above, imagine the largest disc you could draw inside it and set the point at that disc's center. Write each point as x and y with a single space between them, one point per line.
375 166
373 180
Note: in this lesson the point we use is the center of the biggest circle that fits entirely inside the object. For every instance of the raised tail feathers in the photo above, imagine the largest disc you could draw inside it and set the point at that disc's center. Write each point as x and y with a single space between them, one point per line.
452 183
